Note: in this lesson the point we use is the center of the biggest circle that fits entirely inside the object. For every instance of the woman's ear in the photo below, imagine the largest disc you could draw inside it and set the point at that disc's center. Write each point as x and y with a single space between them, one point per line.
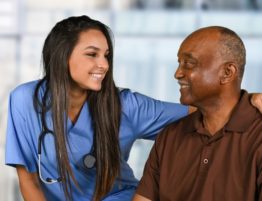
229 73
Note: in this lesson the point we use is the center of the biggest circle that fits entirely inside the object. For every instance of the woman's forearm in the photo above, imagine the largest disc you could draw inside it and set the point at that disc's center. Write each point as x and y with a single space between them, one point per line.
29 185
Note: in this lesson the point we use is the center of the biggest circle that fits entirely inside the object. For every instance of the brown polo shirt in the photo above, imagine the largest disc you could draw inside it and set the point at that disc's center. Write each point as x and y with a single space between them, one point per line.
186 163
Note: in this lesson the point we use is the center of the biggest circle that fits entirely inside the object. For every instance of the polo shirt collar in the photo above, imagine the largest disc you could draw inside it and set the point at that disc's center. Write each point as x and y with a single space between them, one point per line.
243 114
242 117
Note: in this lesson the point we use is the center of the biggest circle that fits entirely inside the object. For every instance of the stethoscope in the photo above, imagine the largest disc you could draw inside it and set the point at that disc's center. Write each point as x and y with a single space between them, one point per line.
88 160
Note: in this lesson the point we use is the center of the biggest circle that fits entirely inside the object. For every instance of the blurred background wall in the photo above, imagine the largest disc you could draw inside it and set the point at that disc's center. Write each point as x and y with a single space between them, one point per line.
147 37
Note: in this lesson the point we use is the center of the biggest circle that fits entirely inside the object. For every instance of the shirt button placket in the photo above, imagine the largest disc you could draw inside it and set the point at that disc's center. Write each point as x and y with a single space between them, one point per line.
205 159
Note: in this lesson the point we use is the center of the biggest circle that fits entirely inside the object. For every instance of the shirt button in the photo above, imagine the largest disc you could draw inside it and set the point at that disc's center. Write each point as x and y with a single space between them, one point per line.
205 161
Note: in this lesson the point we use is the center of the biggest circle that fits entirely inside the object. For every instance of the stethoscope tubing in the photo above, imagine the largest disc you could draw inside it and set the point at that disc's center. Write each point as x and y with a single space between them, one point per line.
89 160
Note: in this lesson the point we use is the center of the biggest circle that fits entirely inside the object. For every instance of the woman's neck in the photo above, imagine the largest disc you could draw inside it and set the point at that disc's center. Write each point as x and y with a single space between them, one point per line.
77 99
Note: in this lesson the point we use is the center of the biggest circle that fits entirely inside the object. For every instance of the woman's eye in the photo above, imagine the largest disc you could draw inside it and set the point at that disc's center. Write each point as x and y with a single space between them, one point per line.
91 54
107 56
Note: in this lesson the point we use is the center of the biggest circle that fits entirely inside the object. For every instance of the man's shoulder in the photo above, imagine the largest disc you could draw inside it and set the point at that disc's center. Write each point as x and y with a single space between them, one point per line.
244 116
179 128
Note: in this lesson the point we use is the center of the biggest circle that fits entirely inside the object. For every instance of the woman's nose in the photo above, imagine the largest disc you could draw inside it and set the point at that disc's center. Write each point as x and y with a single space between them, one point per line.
103 63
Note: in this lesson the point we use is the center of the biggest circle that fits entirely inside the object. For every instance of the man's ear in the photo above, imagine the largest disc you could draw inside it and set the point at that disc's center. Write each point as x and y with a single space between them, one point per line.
229 73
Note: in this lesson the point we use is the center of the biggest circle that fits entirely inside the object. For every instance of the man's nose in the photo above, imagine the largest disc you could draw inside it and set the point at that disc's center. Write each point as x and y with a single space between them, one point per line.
179 73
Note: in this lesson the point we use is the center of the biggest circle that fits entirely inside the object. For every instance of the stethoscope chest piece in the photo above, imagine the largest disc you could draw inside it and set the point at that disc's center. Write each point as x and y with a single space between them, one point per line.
89 161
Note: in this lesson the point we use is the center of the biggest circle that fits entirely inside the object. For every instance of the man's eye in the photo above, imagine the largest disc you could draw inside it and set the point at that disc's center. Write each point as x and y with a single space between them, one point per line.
188 64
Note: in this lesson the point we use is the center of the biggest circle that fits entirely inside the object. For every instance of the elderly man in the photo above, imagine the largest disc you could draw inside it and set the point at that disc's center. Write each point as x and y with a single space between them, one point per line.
214 154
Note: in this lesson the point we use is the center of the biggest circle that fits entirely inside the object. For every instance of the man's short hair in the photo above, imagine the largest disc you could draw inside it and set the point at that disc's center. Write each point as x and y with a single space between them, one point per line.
232 48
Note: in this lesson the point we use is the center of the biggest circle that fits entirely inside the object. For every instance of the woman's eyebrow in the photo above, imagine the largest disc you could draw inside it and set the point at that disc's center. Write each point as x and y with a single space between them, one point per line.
92 47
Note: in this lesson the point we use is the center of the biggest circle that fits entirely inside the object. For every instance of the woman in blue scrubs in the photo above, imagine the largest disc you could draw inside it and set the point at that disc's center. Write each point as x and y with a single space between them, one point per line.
69 134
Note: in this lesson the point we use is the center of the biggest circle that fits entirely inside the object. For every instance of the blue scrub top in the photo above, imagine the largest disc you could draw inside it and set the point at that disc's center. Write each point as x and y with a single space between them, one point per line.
142 118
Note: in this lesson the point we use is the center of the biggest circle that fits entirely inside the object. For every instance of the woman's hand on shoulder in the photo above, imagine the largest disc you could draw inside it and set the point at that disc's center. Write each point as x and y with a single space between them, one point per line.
256 100
191 109
138 197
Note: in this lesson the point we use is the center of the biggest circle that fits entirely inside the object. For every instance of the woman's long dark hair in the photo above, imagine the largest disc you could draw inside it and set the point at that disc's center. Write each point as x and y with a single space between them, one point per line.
104 105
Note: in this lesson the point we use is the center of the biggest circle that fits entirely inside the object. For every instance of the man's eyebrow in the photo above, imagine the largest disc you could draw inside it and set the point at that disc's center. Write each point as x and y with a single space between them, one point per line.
189 55
186 55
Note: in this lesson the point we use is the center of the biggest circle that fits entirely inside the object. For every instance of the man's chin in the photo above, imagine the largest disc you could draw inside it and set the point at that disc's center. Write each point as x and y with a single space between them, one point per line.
185 101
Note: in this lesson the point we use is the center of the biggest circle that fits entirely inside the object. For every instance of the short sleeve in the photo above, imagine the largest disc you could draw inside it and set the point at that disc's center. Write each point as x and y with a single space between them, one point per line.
259 175
147 115
149 183
18 150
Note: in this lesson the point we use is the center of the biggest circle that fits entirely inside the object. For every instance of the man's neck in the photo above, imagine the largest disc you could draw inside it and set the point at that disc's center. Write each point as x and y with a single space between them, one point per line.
217 114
